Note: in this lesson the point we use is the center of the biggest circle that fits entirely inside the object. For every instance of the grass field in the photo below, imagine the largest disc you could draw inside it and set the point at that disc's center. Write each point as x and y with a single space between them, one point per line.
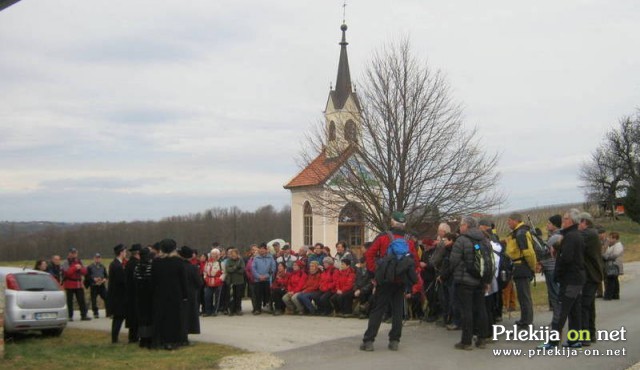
88 349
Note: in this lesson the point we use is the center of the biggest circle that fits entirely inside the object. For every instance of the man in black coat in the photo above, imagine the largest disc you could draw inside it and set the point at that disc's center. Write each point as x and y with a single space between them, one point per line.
569 274
594 267
169 277
191 317
117 293
131 321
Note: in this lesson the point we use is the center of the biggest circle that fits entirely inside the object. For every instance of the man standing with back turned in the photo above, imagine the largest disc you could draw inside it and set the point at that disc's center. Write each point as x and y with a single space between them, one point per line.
388 294
520 250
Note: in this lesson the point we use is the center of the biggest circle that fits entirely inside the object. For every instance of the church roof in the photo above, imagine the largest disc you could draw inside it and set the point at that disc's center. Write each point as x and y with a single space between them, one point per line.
320 169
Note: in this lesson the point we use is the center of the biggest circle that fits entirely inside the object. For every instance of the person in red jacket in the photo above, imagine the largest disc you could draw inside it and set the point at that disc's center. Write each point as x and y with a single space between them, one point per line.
73 271
391 294
417 299
327 287
295 284
344 282
279 288
302 299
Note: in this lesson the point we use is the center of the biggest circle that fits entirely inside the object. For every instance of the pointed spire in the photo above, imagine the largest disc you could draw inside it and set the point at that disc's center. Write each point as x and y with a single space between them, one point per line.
343 81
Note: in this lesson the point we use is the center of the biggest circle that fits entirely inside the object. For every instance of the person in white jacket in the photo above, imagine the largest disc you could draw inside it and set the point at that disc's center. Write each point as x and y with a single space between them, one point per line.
613 257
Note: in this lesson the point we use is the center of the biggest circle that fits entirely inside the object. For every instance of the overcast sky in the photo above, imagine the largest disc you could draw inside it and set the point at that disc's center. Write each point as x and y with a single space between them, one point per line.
137 110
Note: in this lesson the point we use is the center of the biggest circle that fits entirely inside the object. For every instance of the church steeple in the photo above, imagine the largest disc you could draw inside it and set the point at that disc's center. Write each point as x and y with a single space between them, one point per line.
343 81
342 113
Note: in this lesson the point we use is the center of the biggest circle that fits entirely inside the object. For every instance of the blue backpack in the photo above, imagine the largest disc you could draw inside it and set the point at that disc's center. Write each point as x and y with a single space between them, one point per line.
397 266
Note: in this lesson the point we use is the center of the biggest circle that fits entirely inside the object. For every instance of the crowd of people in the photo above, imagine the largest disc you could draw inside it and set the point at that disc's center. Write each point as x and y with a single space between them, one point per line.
147 288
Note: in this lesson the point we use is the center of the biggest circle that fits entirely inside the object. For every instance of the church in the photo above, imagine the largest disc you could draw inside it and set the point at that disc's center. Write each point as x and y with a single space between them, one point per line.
311 220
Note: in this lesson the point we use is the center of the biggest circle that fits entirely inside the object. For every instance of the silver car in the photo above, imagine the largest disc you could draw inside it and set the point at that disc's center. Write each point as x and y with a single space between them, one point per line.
33 301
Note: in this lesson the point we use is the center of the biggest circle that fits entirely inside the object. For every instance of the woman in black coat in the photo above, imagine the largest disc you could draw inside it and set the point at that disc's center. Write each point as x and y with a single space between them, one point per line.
169 277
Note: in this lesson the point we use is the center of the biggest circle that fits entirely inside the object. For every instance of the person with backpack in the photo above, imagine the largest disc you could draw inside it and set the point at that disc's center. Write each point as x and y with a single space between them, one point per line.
451 308
493 297
398 246
473 271
520 250
548 262
570 275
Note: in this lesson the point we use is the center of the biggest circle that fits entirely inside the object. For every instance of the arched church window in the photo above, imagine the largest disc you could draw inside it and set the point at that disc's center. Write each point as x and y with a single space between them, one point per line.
308 224
351 224
332 131
351 132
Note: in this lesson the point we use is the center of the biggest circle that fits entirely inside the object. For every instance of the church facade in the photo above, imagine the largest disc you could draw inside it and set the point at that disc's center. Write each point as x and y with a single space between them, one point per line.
311 220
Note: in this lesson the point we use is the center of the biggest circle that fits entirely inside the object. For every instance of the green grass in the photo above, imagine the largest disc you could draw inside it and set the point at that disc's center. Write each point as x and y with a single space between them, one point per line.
88 349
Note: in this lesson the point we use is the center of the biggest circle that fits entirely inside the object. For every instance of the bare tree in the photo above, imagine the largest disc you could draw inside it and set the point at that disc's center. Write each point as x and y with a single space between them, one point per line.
614 168
413 152
603 178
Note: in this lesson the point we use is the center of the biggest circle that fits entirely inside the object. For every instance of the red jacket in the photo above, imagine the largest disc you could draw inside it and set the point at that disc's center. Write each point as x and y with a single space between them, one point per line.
327 284
297 280
344 279
73 274
379 249
417 287
312 284
281 281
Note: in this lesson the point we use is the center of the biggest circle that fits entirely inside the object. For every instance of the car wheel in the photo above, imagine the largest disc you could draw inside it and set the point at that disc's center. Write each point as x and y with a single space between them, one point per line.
52 332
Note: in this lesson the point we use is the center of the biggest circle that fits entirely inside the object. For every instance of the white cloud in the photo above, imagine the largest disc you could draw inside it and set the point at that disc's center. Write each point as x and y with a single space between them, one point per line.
170 102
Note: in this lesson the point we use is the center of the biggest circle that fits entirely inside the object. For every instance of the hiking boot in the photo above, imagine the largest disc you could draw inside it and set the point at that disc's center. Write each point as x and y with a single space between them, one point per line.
367 346
481 343
574 345
547 346
86 318
393 345
465 347
453 327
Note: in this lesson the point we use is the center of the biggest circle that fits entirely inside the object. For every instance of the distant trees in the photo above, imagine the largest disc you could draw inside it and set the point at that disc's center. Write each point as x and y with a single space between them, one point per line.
413 154
614 168
229 226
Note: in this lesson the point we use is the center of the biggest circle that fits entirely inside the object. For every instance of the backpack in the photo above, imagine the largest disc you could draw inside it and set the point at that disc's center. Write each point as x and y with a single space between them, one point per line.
482 265
505 269
540 247
397 264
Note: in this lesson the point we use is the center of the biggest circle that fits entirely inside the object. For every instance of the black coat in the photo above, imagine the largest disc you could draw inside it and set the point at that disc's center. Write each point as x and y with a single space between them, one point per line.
144 294
132 315
192 314
570 260
117 292
593 263
169 277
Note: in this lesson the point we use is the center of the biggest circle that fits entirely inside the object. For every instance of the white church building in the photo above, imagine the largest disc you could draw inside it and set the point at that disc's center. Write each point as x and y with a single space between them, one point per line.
312 221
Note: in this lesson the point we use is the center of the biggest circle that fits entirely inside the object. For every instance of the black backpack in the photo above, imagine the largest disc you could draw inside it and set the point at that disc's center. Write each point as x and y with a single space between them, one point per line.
482 265
505 269
396 269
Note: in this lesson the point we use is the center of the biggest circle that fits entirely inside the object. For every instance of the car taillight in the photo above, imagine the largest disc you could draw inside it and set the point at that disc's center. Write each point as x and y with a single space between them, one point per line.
12 283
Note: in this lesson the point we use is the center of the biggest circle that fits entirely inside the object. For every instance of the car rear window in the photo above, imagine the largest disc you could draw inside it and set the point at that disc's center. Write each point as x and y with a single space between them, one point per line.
36 282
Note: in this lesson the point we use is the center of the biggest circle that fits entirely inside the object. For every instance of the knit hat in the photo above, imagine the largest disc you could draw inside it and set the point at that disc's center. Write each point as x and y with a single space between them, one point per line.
399 217
556 220
485 222
346 261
